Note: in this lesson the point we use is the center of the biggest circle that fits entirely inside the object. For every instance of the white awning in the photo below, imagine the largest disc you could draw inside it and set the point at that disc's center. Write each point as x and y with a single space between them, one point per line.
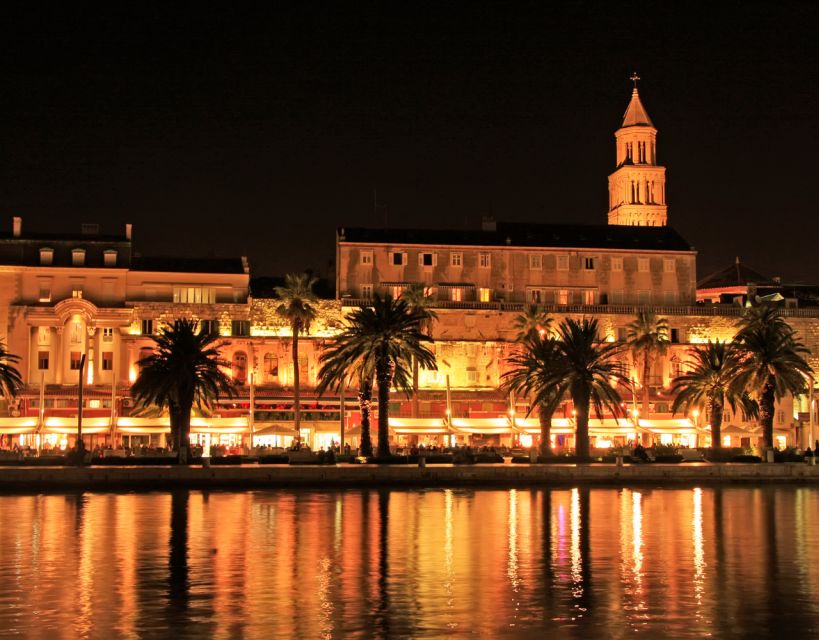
408 426
16 426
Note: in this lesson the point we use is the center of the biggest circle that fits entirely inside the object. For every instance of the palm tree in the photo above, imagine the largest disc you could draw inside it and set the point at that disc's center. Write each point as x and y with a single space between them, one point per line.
185 369
771 362
590 373
533 321
647 338
379 342
344 362
708 383
297 299
535 370
10 379
417 299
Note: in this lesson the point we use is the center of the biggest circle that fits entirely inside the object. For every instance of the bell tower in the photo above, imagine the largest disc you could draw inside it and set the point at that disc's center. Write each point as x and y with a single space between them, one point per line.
637 186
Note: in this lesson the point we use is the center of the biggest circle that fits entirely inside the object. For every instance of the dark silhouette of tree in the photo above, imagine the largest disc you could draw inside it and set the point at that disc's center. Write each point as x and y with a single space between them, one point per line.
297 307
185 369
771 362
708 383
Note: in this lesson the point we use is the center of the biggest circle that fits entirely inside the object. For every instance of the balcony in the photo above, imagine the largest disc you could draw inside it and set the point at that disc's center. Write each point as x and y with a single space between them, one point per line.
729 310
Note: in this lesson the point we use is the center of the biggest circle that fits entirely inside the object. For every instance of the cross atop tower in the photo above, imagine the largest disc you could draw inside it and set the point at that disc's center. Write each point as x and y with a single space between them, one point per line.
635 79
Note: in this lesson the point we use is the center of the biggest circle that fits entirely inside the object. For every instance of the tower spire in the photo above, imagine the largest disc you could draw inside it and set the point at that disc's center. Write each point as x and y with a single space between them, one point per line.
637 186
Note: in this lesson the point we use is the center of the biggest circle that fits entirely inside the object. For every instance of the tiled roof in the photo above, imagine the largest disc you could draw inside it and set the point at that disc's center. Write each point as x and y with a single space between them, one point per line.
636 114
736 275
188 265
530 235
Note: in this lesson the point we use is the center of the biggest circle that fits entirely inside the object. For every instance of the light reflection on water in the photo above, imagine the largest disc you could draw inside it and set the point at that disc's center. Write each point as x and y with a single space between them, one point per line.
727 562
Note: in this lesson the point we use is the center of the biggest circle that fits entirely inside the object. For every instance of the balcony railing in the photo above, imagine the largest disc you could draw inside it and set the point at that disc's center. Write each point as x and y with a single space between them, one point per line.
729 310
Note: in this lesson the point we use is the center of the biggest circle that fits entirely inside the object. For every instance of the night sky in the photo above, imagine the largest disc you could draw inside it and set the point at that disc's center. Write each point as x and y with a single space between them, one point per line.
227 132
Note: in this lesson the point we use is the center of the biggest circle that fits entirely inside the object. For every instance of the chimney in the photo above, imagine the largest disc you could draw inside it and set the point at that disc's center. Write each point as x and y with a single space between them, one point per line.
17 226
488 223
128 228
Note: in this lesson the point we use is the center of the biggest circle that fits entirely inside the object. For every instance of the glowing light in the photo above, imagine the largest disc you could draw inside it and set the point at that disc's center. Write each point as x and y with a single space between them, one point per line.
525 440
637 536
132 374
699 553
574 546
512 563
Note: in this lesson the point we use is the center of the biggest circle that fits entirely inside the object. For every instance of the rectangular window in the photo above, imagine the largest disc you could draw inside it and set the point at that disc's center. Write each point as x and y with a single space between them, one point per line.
472 376
396 291
45 291
367 258
622 334
456 259
399 258
536 296
108 334
485 294
109 258
76 291
78 257
75 361
675 336
562 263
485 260
563 297
107 360
669 265
588 296
240 328
456 294
426 259
588 264
46 257
209 327
642 265
366 291
42 360
147 326
194 295
616 264
535 261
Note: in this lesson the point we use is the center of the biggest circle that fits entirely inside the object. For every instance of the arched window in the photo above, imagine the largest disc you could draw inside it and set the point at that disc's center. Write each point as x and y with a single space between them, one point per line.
271 367
239 367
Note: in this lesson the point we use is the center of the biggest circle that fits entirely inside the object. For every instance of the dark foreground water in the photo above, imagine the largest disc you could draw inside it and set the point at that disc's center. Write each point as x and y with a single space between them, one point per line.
584 563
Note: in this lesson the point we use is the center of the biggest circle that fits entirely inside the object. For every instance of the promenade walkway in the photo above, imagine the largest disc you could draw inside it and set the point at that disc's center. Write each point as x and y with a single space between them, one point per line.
104 478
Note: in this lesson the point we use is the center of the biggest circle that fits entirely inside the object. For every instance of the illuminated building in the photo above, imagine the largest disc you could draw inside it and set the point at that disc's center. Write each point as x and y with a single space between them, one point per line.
65 296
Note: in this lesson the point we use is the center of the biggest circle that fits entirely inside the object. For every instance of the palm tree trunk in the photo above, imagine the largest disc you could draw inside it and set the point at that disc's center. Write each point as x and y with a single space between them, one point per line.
766 412
545 418
184 431
365 401
296 385
716 423
415 384
646 374
581 405
384 377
